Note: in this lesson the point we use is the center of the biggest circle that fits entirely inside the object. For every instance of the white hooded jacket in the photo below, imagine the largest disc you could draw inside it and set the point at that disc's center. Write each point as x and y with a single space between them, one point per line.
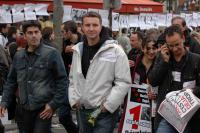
107 81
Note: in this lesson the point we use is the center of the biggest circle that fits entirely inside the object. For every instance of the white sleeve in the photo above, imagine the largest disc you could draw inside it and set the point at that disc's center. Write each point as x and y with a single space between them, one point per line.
122 83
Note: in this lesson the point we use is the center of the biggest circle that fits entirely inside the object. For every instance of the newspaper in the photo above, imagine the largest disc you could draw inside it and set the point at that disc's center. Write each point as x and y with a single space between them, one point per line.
178 108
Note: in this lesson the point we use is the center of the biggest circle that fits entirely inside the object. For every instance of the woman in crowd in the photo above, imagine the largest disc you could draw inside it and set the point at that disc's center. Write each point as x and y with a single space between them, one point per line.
143 65
48 36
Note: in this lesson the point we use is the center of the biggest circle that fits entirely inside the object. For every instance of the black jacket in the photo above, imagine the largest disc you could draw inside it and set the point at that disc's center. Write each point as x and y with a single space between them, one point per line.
190 42
41 82
3 68
140 69
161 75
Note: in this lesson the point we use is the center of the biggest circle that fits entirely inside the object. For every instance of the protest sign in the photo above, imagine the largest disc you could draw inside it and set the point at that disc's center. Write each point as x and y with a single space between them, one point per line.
18 15
104 16
115 21
161 19
142 21
138 114
41 9
133 21
168 19
189 19
123 21
29 12
77 14
67 13
5 16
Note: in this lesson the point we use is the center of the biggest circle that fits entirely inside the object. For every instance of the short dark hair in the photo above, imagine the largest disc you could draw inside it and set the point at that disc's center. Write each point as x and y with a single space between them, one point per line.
2 26
46 33
31 23
173 29
140 35
178 17
70 26
148 40
93 15
124 30
12 30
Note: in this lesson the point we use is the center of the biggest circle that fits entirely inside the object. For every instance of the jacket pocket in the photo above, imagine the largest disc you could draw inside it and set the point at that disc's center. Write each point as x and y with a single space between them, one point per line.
41 69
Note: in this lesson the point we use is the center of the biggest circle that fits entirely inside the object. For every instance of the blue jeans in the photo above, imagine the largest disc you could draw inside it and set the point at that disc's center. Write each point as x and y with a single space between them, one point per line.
30 122
105 122
165 127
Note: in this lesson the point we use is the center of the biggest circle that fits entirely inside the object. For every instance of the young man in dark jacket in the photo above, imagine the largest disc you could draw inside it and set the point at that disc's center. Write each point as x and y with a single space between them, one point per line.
71 38
39 74
174 68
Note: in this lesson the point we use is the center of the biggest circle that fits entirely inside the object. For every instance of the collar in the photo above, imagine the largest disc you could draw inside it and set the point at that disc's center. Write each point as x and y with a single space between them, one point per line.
37 51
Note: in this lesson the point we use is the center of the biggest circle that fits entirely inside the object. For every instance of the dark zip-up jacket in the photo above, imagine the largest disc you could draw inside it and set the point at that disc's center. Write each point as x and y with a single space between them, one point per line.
190 42
161 75
41 81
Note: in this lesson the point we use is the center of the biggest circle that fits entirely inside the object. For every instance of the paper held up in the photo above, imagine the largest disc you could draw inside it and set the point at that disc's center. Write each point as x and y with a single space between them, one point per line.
178 108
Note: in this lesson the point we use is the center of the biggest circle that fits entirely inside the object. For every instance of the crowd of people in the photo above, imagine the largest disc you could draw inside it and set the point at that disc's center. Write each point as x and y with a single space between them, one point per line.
93 74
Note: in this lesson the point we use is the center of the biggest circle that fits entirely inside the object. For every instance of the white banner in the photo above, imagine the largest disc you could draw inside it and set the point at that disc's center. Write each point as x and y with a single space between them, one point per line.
5 16
115 21
67 13
29 12
41 9
77 14
18 15
104 15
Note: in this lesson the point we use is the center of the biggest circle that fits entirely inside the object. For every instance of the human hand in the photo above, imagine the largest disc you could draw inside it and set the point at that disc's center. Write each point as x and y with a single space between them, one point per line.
68 49
47 112
131 63
2 111
151 95
165 53
76 106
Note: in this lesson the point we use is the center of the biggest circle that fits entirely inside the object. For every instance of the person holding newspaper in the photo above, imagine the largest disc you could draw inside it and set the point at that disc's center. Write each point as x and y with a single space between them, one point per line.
175 68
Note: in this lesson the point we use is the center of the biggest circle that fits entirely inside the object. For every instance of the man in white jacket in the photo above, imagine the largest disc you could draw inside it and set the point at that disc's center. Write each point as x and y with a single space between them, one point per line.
99 77
3 32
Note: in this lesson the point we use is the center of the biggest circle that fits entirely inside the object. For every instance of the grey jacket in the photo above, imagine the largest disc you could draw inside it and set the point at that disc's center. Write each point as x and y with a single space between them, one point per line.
41 82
